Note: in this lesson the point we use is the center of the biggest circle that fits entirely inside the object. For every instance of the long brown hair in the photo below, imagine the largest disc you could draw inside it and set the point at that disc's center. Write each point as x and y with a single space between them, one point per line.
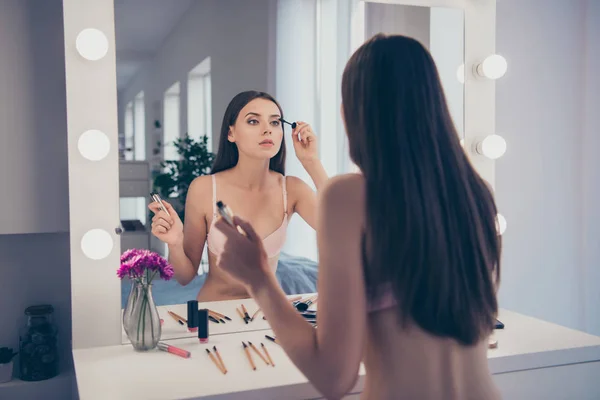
430 219
227 153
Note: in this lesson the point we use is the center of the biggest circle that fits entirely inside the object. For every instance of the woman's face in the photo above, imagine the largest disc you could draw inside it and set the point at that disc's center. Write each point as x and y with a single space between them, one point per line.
258 132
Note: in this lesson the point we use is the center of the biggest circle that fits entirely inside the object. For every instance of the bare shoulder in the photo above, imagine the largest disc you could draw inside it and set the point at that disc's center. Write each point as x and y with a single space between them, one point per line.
200 185
295 184
347 187
200 192
343 196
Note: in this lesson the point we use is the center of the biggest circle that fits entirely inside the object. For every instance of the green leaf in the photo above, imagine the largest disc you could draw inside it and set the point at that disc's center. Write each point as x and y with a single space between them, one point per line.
175 176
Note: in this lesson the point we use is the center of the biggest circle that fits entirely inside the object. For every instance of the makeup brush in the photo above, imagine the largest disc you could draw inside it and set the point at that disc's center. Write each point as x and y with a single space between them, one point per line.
249 356
303 306
292 124
267 354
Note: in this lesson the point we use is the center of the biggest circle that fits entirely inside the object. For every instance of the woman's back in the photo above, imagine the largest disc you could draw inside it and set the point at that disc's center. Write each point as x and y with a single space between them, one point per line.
405 361
410 363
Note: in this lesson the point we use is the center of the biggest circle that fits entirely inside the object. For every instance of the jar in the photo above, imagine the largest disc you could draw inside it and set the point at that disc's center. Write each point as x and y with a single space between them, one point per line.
38 344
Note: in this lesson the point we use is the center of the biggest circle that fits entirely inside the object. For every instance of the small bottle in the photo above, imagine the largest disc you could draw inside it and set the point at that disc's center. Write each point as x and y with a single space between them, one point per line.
203 325
38 345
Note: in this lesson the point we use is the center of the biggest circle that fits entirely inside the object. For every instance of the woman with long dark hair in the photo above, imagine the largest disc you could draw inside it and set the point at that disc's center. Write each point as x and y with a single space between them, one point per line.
409 255
249 176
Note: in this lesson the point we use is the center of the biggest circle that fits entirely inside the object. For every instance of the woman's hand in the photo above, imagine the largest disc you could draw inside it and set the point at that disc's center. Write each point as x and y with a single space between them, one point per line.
243 257
305 142
167 227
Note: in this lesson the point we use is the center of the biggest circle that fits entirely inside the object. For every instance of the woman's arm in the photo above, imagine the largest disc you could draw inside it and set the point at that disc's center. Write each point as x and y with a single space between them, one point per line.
185 256
330 355
305 200
317 172
306 148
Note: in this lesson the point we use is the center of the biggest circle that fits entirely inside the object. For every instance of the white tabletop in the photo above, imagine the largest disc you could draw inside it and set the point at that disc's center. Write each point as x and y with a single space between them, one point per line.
528 343
118 372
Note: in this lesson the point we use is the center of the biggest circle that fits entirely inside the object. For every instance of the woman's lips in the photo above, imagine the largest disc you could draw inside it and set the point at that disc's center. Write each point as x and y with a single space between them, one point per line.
266 143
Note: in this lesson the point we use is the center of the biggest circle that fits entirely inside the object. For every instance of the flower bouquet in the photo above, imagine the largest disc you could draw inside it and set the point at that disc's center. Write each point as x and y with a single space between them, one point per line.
141 321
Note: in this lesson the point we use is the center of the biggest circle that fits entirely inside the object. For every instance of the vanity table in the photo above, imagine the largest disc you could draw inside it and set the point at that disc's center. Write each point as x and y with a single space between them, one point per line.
534 360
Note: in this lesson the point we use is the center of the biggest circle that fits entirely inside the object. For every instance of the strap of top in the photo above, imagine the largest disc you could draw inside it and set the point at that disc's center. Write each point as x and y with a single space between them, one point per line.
284 196
214 190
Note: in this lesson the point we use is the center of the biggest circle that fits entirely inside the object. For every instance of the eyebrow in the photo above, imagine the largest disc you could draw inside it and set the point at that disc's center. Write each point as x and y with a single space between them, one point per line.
258 115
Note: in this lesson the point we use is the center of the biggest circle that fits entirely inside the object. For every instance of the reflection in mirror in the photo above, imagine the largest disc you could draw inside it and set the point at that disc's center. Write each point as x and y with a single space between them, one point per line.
180 66
441 31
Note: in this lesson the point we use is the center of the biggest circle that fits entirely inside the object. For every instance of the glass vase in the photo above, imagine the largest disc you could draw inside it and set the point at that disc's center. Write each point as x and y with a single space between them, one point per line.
141 321
128 305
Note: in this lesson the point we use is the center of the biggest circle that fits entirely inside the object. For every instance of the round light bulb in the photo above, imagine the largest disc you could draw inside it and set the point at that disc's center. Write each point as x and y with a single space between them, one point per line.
493 147
500 224
493 67
96 244
92 44
93 145
460 74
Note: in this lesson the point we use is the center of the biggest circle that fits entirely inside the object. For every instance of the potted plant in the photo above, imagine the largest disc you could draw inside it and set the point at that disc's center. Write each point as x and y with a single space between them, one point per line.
175 176
6 364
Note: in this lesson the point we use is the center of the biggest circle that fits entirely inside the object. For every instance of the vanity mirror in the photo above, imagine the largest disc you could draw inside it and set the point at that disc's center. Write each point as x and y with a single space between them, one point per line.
179 65
163 69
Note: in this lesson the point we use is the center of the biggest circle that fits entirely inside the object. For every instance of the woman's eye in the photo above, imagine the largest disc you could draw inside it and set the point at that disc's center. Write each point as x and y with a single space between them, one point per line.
252 122
275 123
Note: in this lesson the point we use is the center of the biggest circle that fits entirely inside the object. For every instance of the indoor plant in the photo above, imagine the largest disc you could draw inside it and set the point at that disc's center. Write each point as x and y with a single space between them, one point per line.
6 364
175 176
141 321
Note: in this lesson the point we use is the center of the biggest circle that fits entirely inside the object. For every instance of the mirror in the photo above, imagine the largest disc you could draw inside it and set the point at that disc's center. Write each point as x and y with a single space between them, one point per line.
441 31
179 64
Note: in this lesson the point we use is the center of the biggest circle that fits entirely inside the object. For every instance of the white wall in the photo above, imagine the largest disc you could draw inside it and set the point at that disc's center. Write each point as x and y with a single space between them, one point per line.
296 82
34 268
547 192
234 34
33 146
591 168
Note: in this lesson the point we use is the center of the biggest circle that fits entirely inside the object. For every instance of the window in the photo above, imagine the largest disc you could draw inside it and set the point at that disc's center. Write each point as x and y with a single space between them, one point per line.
171 121
199 102
129 131
139 128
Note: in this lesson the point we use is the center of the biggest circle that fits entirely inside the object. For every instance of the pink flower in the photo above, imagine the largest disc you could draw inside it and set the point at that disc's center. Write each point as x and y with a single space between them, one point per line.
137 263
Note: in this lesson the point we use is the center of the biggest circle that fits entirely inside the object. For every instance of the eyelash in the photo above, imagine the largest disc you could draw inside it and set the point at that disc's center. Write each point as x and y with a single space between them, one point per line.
275 123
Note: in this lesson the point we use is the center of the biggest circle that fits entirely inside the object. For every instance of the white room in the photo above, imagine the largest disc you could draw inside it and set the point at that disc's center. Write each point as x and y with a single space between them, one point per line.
106 102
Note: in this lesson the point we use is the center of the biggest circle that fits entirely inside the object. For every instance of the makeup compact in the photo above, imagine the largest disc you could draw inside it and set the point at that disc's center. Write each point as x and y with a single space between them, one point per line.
192 312
202 325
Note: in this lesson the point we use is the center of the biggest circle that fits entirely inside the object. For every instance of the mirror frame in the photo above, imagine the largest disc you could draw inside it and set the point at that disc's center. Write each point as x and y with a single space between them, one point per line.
92 104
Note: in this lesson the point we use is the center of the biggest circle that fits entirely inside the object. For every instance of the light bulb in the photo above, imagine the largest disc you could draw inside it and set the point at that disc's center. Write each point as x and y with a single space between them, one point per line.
493 147
92 44
493 67
500 224
93 145
460 73
96 244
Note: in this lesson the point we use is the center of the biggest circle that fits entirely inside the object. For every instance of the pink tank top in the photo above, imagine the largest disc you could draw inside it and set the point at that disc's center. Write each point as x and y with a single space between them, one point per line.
273 243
